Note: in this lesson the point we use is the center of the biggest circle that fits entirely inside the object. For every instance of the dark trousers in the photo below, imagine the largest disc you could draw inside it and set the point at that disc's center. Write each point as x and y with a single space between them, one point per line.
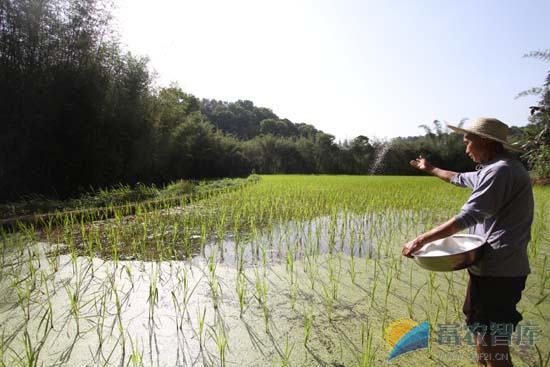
492 301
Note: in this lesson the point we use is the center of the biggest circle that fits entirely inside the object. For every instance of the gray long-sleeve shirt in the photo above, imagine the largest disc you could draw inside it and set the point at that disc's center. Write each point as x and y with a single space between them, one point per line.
500 210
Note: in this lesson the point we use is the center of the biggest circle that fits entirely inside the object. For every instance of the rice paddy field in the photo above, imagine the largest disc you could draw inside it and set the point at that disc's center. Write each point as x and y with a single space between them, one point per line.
288 271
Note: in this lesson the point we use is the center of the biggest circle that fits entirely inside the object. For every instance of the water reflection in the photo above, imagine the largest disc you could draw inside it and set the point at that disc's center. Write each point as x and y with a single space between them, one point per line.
344 232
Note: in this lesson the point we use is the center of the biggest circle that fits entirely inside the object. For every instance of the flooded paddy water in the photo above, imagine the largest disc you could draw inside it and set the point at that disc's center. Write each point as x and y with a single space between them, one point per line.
292 271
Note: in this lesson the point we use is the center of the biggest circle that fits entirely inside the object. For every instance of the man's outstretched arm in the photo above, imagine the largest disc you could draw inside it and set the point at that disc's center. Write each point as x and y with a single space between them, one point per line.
423 165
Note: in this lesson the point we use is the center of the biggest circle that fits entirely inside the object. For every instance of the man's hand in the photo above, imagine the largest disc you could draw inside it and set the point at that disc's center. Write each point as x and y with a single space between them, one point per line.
411 247
446 229
422 164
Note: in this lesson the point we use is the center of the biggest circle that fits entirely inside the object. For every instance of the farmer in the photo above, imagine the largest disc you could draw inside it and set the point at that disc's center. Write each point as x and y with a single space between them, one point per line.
500 209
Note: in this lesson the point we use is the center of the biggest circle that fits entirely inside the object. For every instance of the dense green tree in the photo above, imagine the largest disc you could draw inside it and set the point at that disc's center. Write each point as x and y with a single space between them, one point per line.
240 119
78 113
325 153
536 136
362 154
67 92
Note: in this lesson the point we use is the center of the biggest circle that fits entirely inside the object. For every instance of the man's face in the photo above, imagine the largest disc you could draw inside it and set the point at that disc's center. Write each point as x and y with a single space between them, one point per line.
475 147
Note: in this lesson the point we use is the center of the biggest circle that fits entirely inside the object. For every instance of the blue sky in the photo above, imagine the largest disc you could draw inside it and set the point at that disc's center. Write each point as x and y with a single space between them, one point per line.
376 68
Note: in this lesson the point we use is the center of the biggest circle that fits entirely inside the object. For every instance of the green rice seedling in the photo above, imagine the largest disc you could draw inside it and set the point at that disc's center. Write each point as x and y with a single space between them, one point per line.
261 287
84 235
118 307
261 295
205 227
360 239
352 270
388 283
431 286
213 278
364 333
129 274
538 228
544 276
367 260
31 352
68 222
144 218
450 293
32 269
437 311
318 239
374 282
398 267
287 353
333 278
412 299
156 242
136 357
218 334
237 227
368 354
221 223
541 360
241 259
113 239
290 264
294 289
266 315
332 233
122 340
241 288
343 228
188 293
2 349
410 304
153 296
174 239
179 314
278 241
75 309
187 245
201 318
47 229
312 271
28 231
48 299
264 254
101 312
3 251
308 325
24 296
328 300
94 241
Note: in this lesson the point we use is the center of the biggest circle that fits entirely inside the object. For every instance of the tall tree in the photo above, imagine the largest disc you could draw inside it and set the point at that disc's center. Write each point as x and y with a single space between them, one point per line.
536 136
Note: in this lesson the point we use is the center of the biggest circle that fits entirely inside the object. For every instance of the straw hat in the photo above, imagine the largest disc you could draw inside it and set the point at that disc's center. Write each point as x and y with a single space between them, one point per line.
490 128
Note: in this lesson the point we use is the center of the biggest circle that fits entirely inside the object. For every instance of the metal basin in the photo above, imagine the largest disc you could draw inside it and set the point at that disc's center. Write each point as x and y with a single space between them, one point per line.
451 253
